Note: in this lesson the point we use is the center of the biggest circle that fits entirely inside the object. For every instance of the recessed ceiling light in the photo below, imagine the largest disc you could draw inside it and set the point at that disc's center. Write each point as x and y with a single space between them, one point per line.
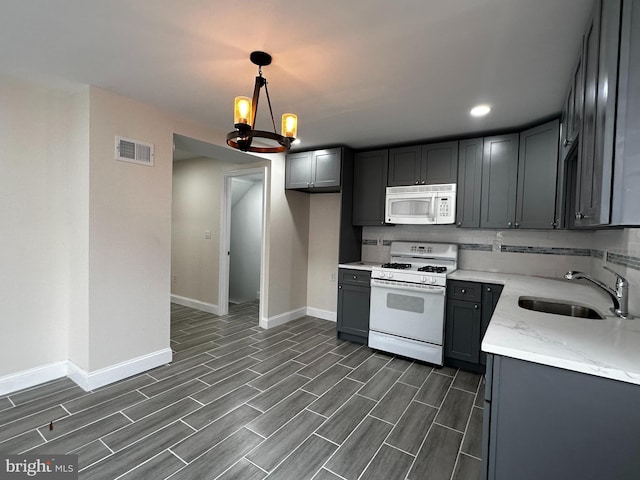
480 110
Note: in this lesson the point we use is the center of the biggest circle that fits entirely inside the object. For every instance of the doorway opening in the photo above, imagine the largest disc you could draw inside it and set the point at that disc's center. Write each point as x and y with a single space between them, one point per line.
242 245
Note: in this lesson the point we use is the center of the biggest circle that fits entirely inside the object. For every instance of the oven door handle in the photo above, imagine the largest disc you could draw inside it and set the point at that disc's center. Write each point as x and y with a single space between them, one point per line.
408 287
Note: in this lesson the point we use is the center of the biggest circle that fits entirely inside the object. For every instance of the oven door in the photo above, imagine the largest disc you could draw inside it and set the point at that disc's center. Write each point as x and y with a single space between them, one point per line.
408 310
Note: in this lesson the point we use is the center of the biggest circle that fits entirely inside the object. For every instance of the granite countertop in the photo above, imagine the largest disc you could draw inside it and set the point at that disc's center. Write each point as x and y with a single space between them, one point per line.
359 265
608 348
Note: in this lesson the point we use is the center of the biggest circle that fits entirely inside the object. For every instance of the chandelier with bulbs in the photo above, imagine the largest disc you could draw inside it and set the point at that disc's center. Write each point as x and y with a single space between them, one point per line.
244 116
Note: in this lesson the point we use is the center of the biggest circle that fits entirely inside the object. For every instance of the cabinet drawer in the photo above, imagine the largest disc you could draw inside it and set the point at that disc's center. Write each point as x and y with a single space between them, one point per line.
354 277
469 291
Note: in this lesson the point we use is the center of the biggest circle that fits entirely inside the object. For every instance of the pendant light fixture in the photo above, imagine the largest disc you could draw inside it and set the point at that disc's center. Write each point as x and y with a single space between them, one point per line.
244 117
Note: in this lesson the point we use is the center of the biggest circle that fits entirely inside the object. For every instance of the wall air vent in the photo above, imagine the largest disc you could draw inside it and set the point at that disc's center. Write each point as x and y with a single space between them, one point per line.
134 151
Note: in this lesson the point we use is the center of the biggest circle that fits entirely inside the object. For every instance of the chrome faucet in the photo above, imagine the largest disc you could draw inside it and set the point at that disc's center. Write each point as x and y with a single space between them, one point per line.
619 296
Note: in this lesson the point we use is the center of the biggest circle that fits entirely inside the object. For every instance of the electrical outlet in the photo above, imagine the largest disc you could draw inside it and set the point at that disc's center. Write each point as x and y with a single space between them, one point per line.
174 279
380 241
497 246
207 234
332 277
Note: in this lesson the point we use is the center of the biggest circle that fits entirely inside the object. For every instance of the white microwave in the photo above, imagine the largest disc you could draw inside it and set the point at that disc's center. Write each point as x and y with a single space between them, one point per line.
421 204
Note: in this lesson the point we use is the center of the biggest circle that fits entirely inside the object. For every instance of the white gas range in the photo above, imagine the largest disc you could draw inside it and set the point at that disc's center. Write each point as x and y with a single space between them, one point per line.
408 300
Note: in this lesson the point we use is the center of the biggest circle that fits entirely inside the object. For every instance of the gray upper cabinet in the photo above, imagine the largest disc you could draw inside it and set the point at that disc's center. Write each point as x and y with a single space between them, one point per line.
595 158
317 170
423 165
499 181
369 183
469 183
537 170
571 118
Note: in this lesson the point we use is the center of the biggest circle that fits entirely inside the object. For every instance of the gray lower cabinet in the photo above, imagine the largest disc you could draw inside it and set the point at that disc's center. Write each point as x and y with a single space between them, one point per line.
318 170
543 422
354 293
470 306
369 187
429 164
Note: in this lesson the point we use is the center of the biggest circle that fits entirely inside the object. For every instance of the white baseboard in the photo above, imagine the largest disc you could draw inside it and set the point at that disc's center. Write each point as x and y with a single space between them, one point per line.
197 304
324 314
282 318
92 380
32 377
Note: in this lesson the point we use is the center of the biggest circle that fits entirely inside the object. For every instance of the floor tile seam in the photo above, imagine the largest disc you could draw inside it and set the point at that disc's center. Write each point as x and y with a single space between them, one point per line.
328 440
371 459
313 378
385 392
253 431
290 452
466 431
147 460
127 445
450 428
18 405
465 391
164 407
424 440
469 455
351 432
428 404
235 463
399 449
328 470
175 455
408 403
71 432
212 446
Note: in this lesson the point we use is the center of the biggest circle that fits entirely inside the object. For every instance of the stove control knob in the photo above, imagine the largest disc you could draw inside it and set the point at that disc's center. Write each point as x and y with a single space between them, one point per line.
389 275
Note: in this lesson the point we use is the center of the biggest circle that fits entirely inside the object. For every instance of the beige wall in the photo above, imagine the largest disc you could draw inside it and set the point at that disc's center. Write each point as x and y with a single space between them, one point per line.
86 240
197 187
33 226
324 230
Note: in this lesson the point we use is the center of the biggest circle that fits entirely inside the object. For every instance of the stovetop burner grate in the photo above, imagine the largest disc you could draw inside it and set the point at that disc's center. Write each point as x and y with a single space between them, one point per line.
432 269
397 266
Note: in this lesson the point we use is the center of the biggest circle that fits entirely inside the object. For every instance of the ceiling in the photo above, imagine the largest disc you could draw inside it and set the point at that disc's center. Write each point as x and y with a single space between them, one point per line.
360 73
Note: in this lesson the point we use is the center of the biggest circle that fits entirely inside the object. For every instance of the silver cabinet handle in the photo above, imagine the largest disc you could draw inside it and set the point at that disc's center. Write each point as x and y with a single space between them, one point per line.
417 182
340 287
566 142
516 225
423 182
476 306
488 289
312 185
509 224
459 224
463 291
355 277
579 216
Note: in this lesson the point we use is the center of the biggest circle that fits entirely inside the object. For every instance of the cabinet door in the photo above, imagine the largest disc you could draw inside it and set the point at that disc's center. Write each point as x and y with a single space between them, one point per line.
490 296
369 184
595 162
353 310
537 170
326 168
404 166
439 163
462 330
298 170
499 181
469 183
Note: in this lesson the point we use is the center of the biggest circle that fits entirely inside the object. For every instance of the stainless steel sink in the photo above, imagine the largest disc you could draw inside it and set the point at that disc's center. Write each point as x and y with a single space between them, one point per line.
558 308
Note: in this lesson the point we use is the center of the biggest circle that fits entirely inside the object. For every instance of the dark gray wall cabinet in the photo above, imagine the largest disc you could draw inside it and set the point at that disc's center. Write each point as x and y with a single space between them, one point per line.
537 173
470 306
518 182
369 187
318 170
423 164
542 422
469 188
354 292
499 181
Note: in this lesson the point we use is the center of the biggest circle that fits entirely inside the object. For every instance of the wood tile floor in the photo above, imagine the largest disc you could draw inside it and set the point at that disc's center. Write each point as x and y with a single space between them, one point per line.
239 402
